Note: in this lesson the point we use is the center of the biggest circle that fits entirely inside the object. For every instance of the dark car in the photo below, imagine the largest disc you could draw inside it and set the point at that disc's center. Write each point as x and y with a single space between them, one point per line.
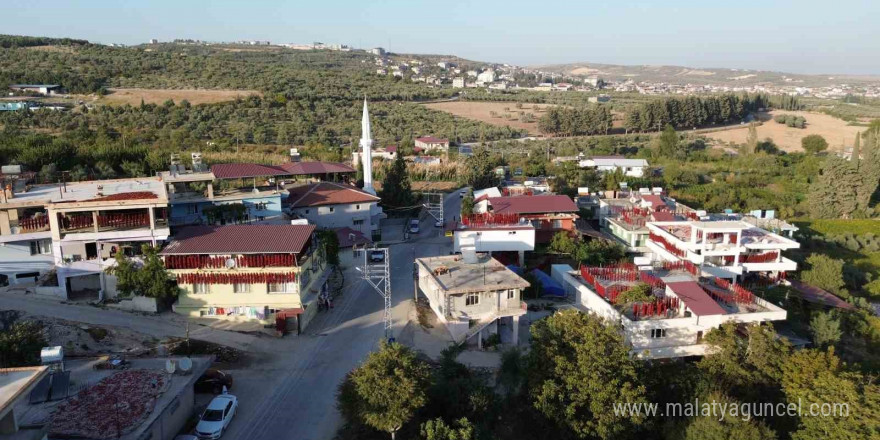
213 381
377 256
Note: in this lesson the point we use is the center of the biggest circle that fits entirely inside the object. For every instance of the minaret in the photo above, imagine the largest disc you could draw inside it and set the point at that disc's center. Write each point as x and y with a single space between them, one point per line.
366 147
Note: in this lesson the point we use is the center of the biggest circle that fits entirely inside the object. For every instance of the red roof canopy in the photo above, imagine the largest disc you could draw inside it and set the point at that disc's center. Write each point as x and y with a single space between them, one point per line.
655 200
240 239
300 168
327 193
244 170
349 237
663 216
532 204
695 298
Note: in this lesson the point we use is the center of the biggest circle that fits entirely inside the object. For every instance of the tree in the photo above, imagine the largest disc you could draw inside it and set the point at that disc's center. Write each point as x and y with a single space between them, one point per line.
816 379
330 242
386 390
396 187
825 328
480 171
641 292
752 139
715 427
835 193
825 273
20 344
437 429
467 204
668 143
579 367
597 252
814 143
563 243
150 279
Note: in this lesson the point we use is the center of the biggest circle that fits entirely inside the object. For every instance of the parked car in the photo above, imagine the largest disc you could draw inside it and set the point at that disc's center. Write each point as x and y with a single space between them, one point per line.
213 381
414 226
377 256
216 418
462 193
438 224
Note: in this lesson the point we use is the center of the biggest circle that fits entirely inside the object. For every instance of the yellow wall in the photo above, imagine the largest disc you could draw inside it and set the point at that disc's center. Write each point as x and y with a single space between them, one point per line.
222 295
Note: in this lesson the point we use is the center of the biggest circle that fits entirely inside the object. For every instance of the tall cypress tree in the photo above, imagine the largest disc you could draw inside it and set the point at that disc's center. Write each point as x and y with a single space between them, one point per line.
396 187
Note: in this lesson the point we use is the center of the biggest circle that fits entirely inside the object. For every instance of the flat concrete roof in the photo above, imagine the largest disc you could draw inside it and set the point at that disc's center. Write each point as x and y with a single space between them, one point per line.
17 382
88 191
486 275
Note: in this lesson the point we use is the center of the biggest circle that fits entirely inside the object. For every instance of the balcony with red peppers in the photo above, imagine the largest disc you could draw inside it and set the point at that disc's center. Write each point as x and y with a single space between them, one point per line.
672 249
222 262
119 220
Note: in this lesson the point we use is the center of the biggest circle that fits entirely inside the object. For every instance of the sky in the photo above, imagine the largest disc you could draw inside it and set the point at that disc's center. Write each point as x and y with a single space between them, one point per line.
795 36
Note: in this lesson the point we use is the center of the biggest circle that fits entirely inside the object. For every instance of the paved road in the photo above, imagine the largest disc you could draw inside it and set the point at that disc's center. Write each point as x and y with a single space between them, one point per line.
294 394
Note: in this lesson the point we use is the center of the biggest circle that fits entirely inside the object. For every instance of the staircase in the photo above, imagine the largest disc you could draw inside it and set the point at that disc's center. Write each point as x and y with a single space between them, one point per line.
479 326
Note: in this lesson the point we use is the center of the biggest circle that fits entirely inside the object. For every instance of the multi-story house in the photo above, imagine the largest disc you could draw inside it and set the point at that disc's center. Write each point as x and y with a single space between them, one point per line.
730 249
267 273
549 214
629 167
682 308
431 143
256 191
495 234
335 205
77 229
471 294
626 217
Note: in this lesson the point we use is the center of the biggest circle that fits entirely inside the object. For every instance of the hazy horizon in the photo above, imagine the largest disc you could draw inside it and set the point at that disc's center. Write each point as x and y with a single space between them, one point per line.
801 37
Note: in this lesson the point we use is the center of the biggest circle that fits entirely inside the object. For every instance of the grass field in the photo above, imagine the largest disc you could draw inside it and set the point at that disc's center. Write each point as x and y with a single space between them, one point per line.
507 114
159 96
836 131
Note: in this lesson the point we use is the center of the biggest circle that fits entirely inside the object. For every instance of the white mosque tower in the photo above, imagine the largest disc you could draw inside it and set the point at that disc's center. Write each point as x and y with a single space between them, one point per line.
366 148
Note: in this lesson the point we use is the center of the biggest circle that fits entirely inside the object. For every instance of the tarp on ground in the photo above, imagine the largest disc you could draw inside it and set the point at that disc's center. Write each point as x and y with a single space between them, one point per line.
549 286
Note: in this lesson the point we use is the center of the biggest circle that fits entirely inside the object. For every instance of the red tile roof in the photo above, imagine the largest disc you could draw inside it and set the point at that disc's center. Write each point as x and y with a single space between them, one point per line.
240 239
532 204
695 298
245 170
662 216
655 200
391 149
300 168
349 237
327 193
432 140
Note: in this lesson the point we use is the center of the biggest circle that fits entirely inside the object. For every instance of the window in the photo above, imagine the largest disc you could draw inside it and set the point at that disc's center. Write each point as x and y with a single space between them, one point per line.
356 207
192 209
281 288
307 212
658 333
557 224
511 294
331 209
41 247
472 299
201 288
241 288
261 206
511 233
357 222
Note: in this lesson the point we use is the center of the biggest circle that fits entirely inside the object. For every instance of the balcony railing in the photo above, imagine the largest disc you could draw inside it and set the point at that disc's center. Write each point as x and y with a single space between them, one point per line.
32 224
123 220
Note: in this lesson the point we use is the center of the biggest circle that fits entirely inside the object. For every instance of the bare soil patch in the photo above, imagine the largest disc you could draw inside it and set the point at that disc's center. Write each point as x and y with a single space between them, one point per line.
159 96
496 113
835 131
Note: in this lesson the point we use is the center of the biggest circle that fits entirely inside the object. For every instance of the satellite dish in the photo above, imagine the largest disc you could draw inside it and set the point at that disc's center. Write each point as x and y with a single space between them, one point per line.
185 365
230 263
169 366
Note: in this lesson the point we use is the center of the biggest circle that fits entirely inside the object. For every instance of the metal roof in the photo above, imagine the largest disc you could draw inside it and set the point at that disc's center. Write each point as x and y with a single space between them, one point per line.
245 170
327 193
532 204
695 298
240 239
298 168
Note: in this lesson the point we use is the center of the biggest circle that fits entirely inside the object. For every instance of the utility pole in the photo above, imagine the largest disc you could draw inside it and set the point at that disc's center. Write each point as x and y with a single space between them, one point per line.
378 275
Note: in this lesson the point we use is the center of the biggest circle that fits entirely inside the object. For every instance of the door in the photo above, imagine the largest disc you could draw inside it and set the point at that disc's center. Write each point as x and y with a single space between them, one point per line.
699 336
91 251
